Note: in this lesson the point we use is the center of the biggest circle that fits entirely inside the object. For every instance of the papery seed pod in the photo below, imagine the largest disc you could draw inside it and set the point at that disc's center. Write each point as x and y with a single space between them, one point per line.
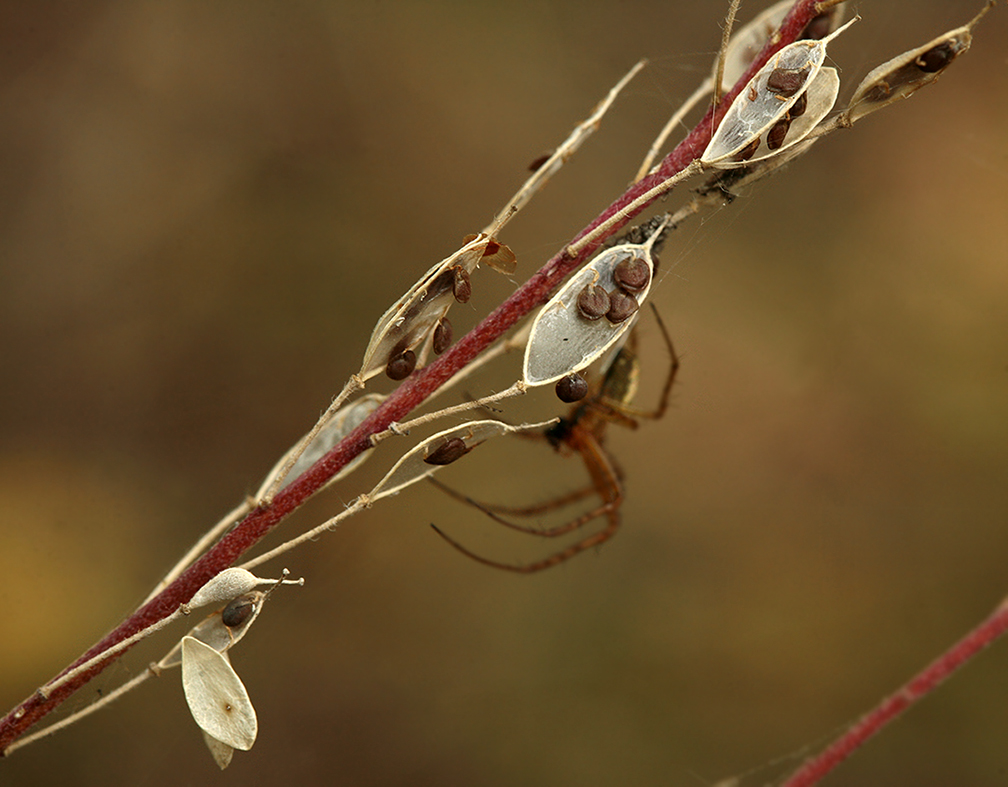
572 388
413 467
216 696
409 321
907 73
443 334
451 449
344 421
769 95
593 302
401 366
226 585
561 341
816 103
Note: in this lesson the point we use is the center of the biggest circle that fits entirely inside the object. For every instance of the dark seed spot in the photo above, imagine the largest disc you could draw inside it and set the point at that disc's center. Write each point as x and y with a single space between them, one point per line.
936 58
593 302
747 152
571 388
443 334
775 136
798 107
401 366
622 306
237 611
461 287
538 162
632 274
786 81
816 29
446 453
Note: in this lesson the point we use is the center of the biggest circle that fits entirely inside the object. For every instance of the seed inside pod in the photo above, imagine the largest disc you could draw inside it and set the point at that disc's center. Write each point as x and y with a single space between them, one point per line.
622 306
786 81
451 449
443 334
775 136
238 611
461 286
593 302
817 28
401 366
936 58
632 274
799 106
571 388
748 151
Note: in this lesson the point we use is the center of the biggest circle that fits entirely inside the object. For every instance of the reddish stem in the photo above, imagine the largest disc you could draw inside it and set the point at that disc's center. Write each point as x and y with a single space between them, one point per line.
413 392
919 686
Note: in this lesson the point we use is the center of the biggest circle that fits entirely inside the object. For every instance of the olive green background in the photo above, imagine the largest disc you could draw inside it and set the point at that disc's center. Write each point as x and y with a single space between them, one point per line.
206 206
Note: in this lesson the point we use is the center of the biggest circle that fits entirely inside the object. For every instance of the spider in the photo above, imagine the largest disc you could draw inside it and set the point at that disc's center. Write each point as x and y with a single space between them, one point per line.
582 432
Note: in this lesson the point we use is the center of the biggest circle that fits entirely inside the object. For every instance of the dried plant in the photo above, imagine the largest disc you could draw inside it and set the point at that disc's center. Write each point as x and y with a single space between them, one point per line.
773 97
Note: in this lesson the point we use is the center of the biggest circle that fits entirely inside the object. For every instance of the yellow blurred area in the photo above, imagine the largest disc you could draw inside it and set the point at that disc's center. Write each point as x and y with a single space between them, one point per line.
205 208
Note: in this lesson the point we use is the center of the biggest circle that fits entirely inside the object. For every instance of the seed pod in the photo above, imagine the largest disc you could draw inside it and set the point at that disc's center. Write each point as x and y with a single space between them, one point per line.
769 95
561 340
216 696
907 73
443 334
572 388
451 449
593 302
401 366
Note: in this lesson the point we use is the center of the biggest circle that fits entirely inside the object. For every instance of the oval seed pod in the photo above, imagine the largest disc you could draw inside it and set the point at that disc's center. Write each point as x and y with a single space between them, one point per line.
767 97
413 466
226 585
907 73
791 129
562 341
406 324
216 696
343 422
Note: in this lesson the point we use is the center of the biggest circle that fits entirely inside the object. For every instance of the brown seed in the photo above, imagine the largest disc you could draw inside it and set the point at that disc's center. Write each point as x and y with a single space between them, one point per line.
748 151
401 366
237 611
571 388
461 287
539 161
775 136
443 334
798 107
451 449
816 29
786 81
632 274
936 58
622 306
593 302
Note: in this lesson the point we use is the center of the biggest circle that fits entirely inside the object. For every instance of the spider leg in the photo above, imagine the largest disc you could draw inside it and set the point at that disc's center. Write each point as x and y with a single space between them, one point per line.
490 508
625 414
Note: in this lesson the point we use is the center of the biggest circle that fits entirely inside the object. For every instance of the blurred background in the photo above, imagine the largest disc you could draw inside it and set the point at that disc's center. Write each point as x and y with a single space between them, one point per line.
205 208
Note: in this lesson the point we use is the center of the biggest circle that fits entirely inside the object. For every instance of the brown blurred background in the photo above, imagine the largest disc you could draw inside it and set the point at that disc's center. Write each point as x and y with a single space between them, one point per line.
205 207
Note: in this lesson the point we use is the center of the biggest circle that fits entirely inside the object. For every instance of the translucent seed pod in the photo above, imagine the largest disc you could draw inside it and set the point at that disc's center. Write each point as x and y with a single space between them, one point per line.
907 73
564 339
346 419
216 696
408 322
415 465
766 99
